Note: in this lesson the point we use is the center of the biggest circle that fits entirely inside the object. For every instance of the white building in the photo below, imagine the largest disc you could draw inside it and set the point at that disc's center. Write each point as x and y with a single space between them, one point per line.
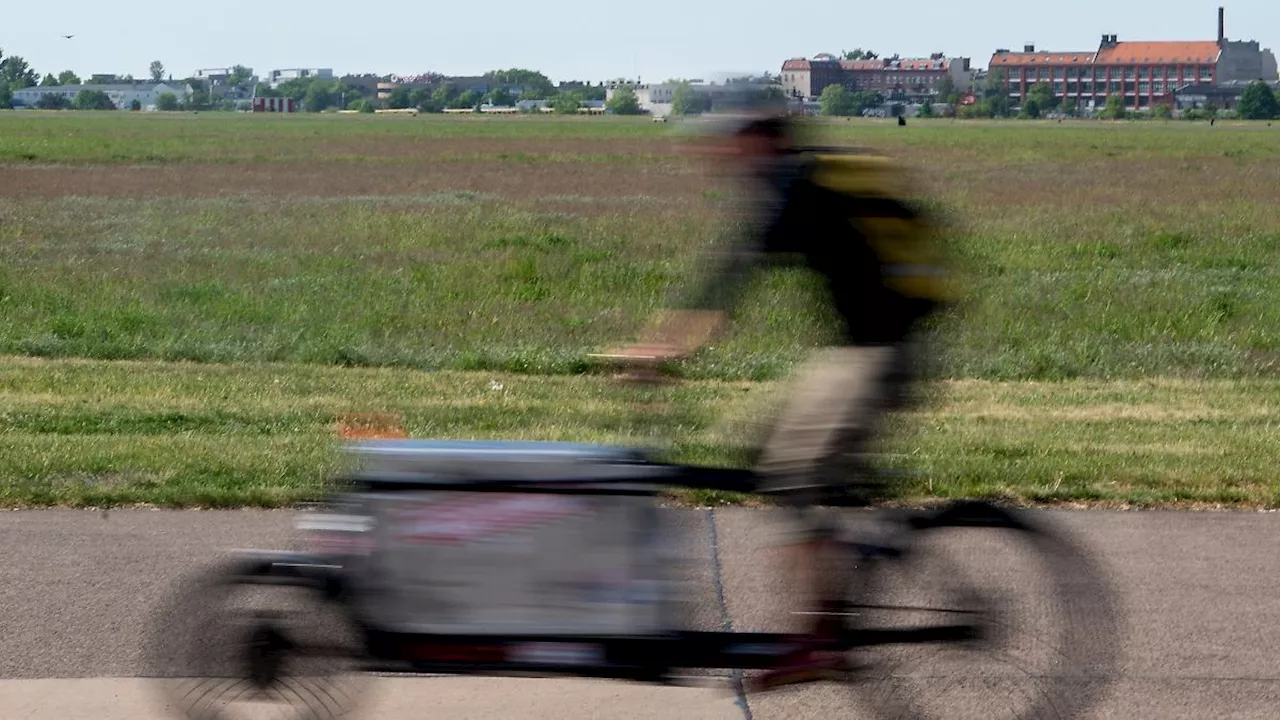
656 97
275 77
123 95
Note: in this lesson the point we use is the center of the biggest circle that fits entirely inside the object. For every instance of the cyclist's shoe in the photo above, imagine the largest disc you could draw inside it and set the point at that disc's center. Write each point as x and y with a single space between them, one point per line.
804 666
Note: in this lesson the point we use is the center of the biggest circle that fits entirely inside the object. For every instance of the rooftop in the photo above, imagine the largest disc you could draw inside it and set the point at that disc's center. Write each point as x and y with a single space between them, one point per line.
113 87
1120 53
910 64
1128 53
1041 58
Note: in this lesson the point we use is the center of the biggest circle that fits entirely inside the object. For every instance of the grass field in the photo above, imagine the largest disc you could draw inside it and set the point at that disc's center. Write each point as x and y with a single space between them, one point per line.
1119 339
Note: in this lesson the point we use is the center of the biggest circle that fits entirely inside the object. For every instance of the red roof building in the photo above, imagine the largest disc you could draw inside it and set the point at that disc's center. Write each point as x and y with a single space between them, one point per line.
1144 74
898 78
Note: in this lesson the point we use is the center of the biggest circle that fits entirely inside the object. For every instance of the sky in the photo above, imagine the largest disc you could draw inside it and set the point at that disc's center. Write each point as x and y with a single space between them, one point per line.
577 39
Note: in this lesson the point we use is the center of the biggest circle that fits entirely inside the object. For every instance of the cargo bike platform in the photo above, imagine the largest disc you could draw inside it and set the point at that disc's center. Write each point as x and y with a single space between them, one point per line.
553 559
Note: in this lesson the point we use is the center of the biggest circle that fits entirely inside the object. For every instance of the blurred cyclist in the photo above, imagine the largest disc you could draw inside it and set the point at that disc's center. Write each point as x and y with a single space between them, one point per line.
817 207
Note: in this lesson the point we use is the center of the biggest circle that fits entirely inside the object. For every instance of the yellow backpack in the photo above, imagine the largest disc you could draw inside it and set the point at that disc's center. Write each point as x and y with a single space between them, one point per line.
914 264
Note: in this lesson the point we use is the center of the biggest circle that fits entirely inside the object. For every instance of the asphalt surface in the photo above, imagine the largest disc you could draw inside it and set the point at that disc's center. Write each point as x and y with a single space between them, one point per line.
1198 595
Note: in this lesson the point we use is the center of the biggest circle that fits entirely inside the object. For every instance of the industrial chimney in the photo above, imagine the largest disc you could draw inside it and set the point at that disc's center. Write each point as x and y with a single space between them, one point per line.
1222 26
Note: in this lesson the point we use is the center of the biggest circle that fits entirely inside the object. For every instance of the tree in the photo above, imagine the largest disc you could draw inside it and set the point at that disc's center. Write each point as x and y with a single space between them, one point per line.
157 71
533 84
946 90
1043 95
93 100
1030 109
566 103
1114 109
1258 102
445 94
836 101
49 81
995 97
684 101
136 105
66 77
864 100
926 109
52 101
317 98
859 54
596 92
16 74
1068 106
501 97
467 99
239 76
400 98
167 102
6 97
624 102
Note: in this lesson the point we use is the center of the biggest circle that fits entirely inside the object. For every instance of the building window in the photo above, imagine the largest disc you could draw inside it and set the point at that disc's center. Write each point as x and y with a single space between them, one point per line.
1144 74
1115 86
1158 86
1128 73
1144 88
1171 72
1044 73
1058 88
1057 73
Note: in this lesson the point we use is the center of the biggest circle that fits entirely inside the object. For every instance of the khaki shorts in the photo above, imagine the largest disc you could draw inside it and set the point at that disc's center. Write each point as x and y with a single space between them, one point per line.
832 413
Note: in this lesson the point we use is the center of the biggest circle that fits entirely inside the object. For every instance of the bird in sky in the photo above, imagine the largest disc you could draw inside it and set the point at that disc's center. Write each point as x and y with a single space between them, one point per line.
68 37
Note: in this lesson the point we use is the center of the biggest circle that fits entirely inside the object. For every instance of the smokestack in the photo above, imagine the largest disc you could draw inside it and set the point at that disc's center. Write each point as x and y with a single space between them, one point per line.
1222 25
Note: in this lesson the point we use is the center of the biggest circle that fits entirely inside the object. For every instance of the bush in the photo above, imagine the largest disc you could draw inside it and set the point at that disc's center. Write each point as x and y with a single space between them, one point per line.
93 100
1258 102
52 102
167 102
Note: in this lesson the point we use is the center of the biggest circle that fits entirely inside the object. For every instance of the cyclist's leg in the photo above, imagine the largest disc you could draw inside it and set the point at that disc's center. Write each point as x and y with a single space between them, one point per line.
839 398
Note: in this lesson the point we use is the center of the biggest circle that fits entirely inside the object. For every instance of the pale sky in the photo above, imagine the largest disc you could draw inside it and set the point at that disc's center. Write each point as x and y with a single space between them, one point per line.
578 39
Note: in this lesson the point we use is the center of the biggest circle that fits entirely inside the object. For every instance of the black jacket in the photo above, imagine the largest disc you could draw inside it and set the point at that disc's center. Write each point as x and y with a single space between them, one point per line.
792 220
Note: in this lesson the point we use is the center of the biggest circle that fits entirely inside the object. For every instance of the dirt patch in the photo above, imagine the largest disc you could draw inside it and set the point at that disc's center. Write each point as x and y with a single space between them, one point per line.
336 179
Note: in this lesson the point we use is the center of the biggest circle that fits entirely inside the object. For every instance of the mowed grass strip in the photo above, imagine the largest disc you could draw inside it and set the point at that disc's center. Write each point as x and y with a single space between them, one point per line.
94 433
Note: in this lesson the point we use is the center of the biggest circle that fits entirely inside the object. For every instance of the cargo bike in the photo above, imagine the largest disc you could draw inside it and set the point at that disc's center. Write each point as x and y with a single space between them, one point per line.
555 559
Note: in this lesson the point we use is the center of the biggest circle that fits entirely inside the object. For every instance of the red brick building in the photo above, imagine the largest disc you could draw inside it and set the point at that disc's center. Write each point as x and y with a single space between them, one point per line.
907 78
1144 74
896 78
808 78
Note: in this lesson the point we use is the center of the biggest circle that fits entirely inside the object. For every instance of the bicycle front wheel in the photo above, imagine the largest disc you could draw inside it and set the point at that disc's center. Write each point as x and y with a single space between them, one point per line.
1047 621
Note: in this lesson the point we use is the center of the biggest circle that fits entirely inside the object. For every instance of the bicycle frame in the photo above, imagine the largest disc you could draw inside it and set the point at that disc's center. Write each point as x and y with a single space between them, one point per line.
651 658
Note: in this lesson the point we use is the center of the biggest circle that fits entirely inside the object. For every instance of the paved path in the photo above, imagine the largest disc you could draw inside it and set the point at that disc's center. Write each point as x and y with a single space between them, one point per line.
1201 596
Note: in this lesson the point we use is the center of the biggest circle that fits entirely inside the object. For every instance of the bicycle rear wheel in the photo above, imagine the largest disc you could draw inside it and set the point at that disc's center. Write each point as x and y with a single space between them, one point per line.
1047 617
233 646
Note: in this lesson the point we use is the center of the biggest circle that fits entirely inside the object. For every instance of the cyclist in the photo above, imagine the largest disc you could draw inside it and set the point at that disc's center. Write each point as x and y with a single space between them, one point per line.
843 390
